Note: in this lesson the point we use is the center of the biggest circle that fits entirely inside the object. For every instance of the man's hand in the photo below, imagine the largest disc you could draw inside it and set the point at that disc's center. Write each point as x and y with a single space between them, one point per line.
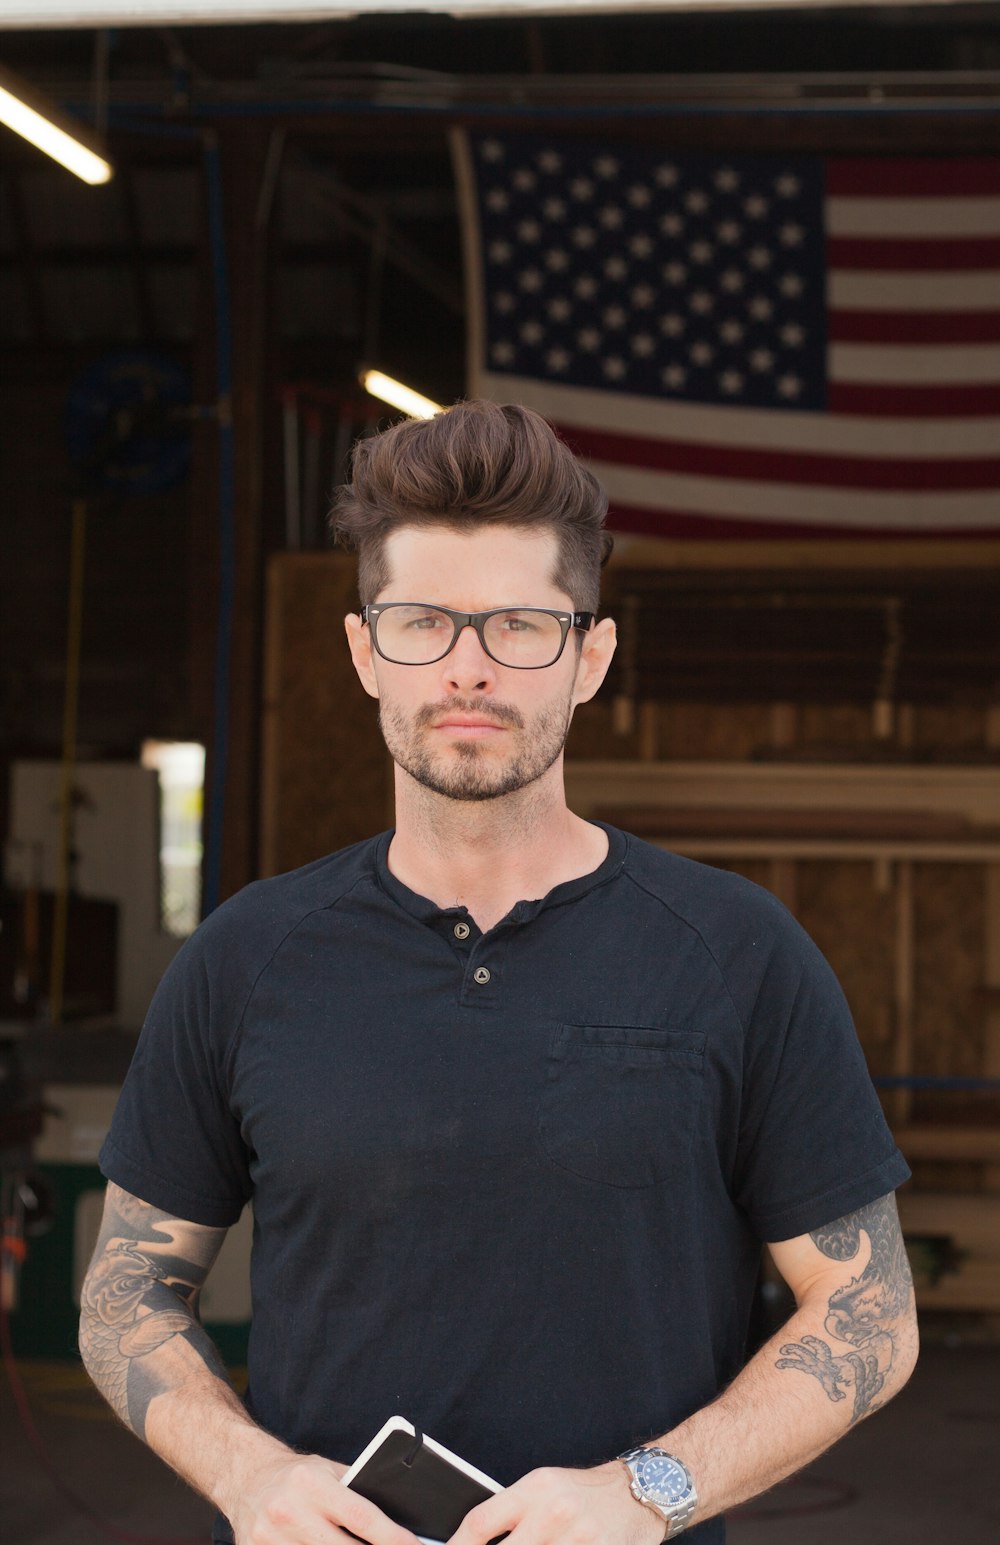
565 1507
300 1501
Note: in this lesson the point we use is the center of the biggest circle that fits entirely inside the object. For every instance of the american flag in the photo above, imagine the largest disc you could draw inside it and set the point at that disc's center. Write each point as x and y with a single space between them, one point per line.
746 346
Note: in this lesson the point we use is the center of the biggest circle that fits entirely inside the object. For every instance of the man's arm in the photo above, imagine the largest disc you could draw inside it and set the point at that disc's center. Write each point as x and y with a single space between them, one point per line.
848 1348
146 1351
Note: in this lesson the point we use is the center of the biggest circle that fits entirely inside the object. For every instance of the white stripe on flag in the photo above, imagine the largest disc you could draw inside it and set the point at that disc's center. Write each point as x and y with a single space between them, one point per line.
737 499
923 365
896 218
868 290
756 428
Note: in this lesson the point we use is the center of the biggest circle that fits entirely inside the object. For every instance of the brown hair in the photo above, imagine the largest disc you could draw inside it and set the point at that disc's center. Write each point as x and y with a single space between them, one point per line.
478 462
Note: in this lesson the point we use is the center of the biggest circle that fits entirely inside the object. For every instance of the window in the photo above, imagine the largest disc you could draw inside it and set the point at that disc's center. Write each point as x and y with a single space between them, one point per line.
181 769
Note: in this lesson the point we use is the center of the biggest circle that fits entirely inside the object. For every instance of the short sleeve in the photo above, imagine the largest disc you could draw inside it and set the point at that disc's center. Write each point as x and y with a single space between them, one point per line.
814 1143
174 1139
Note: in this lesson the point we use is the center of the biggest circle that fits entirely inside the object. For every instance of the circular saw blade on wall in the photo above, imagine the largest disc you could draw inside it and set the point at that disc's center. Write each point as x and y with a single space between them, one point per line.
128 423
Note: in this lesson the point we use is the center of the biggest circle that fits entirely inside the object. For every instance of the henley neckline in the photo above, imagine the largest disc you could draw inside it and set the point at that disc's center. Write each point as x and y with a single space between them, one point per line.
428 911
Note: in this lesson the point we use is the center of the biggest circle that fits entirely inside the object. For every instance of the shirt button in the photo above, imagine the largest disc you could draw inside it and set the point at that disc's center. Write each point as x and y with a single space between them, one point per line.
462 930
481 976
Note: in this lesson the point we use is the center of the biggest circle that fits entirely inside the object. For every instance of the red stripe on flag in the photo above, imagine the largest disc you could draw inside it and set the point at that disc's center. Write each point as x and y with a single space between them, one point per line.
668 523
941 254
927 177
806 467
914 327
892 401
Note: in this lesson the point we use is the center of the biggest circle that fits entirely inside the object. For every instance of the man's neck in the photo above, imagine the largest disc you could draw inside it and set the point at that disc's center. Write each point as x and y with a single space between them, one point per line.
486 855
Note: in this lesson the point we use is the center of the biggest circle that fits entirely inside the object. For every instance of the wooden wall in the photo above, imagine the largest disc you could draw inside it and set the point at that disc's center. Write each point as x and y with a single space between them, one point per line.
899 883
326 775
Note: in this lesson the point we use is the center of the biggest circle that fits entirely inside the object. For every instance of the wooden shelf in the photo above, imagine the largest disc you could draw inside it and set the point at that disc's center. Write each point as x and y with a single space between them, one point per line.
972 793
835 848
977 1145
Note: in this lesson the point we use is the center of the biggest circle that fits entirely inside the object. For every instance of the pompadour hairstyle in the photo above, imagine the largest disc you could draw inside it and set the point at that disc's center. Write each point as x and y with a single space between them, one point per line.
478 463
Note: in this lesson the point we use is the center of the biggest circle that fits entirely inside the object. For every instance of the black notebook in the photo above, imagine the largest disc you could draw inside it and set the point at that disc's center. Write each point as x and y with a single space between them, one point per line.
416 1482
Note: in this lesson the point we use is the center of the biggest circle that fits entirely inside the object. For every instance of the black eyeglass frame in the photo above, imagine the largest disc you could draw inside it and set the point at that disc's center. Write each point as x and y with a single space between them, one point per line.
478 620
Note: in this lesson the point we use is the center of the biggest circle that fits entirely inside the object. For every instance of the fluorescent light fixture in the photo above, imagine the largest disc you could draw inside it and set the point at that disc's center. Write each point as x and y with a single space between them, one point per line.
399 396
29 114
177 13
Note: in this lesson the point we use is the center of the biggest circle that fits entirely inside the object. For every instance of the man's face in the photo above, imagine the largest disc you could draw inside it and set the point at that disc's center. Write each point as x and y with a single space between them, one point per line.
467 727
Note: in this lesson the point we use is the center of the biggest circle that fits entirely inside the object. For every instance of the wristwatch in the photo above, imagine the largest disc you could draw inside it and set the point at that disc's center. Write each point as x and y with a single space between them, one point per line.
664 1483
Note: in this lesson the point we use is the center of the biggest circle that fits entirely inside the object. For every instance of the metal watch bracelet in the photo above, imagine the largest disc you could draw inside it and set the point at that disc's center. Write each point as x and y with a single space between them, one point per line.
680 1514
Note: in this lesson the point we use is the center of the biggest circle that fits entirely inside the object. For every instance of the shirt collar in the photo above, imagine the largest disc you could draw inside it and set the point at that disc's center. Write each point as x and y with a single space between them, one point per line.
523 911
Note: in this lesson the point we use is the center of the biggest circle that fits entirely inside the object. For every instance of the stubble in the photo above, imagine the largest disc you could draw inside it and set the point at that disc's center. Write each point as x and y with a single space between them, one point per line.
465 769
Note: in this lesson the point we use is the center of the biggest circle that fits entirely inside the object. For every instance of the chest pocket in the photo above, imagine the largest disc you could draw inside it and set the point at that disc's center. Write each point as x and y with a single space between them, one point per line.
621 1102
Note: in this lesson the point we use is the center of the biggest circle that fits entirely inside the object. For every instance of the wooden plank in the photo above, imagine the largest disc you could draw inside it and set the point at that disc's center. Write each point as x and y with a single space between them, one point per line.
649 731
656 553
878 825
839 850
972 792
784 725
784 882
901 1100
961 1144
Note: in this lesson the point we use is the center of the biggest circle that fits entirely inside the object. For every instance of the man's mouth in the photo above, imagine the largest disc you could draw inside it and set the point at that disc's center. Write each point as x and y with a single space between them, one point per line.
468 721
469 728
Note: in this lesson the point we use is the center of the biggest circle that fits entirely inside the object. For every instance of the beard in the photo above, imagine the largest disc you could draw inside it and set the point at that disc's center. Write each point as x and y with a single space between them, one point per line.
473 774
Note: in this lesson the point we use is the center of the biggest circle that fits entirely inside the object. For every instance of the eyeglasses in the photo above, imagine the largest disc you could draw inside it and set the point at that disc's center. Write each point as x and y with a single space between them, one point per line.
527 638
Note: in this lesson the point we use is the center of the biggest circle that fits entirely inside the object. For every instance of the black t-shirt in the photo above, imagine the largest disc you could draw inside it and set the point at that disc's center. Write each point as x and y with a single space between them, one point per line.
510 1185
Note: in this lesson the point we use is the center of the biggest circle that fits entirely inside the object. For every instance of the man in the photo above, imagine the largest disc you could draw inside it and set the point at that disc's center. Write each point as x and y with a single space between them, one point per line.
515 1096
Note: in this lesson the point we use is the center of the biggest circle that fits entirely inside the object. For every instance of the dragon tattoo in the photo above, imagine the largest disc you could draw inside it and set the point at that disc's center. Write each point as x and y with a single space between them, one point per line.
863 1313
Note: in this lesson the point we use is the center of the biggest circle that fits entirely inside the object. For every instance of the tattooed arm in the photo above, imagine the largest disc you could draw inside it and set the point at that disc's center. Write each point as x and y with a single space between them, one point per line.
146 1351
849 1346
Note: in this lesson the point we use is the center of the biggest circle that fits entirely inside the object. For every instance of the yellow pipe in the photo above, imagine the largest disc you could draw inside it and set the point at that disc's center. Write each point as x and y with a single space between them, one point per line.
57 980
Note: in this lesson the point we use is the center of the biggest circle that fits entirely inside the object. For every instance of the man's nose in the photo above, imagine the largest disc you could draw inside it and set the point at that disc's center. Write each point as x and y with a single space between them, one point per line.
467 667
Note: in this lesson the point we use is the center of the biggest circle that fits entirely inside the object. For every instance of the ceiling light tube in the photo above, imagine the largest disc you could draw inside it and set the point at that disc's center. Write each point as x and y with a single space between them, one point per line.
31 115
399 396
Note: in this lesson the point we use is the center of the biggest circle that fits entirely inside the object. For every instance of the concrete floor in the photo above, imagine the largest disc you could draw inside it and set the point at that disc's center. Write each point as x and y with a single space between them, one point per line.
925 1469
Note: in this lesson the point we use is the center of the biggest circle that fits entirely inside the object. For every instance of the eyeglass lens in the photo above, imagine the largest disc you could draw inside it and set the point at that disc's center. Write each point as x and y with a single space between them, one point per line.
419 635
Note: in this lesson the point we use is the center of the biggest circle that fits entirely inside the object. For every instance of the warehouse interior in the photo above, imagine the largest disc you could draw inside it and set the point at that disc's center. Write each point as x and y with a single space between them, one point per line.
819 710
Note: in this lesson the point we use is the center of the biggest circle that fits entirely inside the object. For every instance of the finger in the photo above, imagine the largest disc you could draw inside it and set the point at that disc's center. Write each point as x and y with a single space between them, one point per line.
492 1519
536 1509
365 1521
316 1509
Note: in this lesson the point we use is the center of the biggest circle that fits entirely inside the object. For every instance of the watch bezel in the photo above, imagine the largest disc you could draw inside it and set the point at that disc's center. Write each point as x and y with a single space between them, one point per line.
655 1492
677 1514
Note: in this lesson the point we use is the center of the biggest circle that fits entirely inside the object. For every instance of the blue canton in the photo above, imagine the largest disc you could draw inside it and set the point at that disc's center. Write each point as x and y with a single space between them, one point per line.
691 277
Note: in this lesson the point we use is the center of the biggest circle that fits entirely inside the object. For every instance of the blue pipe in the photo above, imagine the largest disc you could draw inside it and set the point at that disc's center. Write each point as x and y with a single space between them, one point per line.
462 110
216 804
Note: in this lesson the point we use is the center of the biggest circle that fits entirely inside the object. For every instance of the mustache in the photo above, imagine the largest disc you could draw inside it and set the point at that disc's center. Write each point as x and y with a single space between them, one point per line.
488 707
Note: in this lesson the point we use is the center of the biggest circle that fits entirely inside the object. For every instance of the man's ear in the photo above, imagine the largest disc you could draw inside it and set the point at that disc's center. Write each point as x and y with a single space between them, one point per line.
359 641
596 652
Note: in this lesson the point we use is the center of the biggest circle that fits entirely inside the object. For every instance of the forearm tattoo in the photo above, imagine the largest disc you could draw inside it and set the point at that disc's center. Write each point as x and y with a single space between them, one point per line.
140 1293
870 1313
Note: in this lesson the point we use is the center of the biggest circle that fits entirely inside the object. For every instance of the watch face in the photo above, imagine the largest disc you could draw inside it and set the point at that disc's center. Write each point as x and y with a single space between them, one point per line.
662 1478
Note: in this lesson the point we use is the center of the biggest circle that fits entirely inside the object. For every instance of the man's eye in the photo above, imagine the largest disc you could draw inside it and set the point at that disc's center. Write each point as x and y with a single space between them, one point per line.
519 625
426 623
